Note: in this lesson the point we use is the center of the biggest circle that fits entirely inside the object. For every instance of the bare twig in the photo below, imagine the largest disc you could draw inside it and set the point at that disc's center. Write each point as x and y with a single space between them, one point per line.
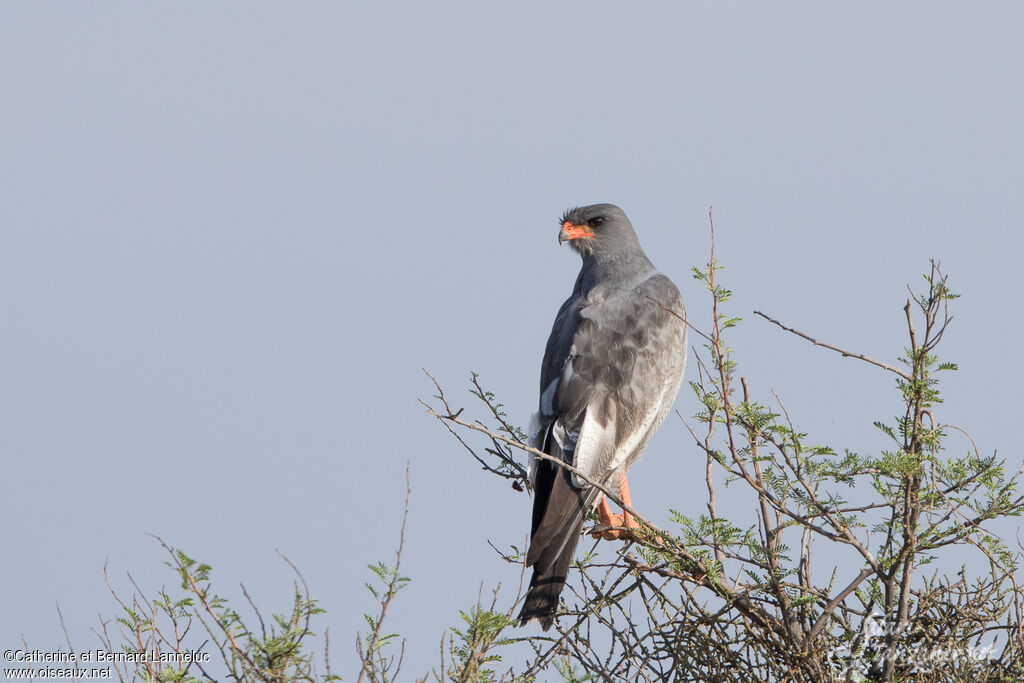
843 352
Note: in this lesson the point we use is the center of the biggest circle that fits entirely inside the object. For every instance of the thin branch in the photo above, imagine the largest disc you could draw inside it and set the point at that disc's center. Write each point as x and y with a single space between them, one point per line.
390 590
843 352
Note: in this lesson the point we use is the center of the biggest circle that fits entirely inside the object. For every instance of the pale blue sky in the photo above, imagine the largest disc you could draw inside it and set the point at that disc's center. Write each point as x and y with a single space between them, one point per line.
232 234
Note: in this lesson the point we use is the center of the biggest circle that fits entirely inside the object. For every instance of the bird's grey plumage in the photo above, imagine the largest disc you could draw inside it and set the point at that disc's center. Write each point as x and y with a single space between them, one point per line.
611 370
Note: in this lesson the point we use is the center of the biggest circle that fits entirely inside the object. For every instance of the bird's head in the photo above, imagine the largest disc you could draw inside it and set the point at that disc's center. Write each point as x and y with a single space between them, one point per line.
596 229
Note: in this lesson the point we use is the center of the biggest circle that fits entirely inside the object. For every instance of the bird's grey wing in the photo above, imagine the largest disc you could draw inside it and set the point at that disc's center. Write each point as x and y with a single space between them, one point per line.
559 507
631 353
554 505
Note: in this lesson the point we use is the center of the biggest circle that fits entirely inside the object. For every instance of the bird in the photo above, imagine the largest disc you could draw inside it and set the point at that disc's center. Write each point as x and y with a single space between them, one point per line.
611 370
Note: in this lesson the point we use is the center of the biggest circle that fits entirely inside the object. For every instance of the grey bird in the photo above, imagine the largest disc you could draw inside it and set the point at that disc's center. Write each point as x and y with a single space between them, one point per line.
611 370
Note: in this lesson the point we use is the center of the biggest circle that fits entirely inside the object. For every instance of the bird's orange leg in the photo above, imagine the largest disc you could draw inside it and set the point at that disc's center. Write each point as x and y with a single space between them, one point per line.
611 519
630 523
608 518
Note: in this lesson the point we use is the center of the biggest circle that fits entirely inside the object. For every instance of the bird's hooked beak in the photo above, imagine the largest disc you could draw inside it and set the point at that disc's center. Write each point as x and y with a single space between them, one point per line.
570 231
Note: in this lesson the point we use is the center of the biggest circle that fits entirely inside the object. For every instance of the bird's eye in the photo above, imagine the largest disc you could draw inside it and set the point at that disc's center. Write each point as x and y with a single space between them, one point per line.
594 222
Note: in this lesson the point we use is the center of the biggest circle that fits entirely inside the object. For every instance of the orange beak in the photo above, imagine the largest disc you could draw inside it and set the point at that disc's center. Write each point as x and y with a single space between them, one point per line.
573 232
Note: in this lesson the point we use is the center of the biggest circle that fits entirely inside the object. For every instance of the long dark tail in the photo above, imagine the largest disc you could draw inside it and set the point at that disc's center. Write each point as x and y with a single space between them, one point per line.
547 584
559 511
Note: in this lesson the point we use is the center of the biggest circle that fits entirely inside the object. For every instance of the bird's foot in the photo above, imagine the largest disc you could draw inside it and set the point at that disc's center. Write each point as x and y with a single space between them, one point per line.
614 534
616 527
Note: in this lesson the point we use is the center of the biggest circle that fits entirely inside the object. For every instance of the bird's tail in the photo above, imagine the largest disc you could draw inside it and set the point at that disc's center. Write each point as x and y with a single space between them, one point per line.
552 546
546 586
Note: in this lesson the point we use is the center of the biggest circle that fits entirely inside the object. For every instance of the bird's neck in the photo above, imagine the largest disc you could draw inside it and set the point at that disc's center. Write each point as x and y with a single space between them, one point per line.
619 270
